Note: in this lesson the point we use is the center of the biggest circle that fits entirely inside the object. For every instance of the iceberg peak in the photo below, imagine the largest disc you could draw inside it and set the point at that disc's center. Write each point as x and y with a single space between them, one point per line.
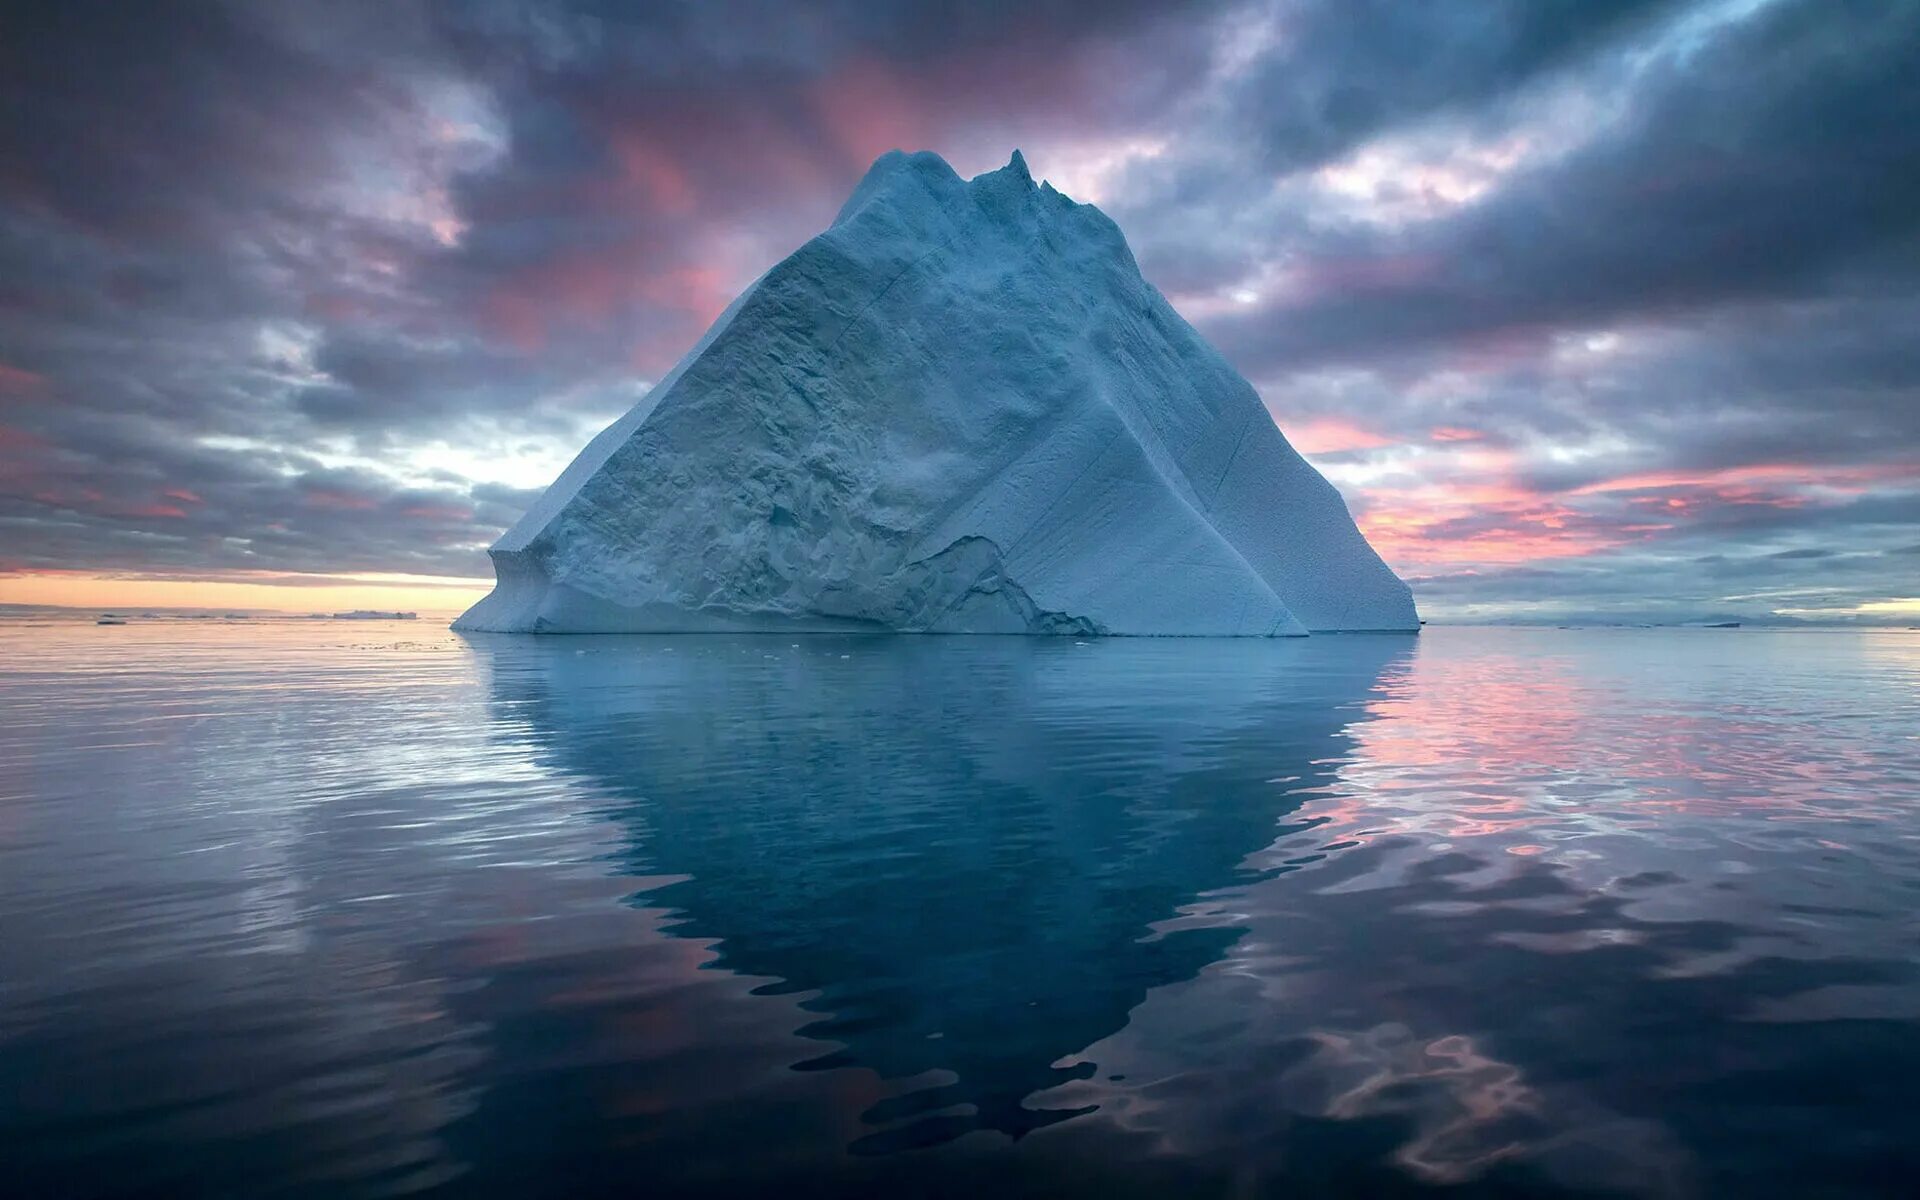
959 409
896 176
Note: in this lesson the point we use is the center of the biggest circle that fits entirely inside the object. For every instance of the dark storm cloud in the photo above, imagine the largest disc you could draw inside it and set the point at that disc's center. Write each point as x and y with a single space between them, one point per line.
260 259
143 123
1772 160
1344 70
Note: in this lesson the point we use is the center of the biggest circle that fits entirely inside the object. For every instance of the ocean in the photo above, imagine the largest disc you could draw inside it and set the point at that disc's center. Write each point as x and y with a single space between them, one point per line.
327 908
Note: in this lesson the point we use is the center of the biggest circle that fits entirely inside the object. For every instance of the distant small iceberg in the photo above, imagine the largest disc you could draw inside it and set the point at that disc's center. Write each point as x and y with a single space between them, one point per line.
369 614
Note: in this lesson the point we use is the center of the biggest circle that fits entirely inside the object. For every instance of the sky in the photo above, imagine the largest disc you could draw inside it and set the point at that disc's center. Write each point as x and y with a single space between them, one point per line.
1592 309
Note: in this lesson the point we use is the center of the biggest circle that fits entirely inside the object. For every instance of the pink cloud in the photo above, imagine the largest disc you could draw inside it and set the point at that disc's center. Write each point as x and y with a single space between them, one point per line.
17 381
1331 435
1852 479
437 512
867 110
20 439
650 174
1480 511
338 501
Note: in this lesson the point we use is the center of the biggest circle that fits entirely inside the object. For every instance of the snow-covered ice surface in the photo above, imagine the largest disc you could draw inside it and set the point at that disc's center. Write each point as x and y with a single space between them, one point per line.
961 409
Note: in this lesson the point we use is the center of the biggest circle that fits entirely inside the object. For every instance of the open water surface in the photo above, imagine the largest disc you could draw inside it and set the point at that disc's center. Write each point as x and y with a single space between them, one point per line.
318 909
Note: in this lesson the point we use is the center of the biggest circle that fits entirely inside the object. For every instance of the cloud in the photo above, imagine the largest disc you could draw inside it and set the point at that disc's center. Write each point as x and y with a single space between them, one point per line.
1339 72
1774 161
1580 304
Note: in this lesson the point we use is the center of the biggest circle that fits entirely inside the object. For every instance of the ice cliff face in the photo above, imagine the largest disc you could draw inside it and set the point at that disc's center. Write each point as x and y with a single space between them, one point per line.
958 410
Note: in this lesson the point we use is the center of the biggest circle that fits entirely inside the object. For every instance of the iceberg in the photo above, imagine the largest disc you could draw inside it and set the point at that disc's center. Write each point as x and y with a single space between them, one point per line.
961 409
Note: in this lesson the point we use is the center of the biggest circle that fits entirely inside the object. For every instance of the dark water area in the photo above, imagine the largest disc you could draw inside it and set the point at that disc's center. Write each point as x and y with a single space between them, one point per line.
295 910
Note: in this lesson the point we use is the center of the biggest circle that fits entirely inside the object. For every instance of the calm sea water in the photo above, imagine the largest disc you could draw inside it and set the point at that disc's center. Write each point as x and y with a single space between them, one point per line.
318 909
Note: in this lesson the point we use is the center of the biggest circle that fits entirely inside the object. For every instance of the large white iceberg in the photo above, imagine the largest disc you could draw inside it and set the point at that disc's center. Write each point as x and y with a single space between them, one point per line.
958 410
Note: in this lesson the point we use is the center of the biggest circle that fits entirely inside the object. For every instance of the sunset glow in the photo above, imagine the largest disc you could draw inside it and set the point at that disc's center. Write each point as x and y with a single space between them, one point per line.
435 597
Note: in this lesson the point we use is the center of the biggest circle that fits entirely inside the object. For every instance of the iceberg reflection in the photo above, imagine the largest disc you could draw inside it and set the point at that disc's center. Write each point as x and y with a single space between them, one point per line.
955 849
